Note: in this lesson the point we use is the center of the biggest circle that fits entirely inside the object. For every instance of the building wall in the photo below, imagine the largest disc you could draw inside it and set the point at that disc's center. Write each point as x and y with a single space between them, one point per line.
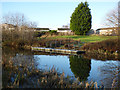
107 32
7 27
63 30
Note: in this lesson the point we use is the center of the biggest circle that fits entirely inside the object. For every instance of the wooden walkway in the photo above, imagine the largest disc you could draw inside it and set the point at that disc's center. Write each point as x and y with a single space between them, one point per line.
62 51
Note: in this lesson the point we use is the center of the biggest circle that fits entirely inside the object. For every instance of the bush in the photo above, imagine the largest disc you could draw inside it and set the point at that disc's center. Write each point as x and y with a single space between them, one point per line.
110 45
53 32
39 34
17 38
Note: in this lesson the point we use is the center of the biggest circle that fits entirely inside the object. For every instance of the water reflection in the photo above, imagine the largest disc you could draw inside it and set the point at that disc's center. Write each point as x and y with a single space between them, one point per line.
15 64
111 73
80 67
61 63
102 72
19 57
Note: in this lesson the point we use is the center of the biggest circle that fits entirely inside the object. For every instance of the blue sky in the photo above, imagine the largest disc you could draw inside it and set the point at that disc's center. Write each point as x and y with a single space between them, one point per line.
56 14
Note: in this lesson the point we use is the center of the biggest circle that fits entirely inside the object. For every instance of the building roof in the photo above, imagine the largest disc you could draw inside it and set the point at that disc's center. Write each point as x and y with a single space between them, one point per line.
63 28
107 28
42 28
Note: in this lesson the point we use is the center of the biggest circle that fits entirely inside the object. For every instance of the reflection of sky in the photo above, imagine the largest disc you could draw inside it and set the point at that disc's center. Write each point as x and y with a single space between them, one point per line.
96 73
95 70
61 63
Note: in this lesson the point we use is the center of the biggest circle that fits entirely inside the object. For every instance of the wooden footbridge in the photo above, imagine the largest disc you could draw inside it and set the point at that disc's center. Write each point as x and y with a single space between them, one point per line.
61 51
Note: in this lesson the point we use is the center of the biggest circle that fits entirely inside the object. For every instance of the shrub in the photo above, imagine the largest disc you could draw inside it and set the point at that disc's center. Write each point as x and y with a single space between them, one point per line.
110 45
53 32
39 34
17 38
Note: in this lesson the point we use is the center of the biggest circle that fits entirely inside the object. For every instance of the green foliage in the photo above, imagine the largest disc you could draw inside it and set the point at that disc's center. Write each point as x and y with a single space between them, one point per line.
39 34
80 22
53 31
80 67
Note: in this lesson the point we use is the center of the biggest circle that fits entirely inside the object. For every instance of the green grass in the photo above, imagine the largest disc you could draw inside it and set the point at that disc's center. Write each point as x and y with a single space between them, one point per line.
86 38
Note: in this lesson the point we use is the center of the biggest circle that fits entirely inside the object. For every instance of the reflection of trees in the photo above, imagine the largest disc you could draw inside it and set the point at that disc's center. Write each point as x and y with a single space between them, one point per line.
111 73
80 67
18 56
15 62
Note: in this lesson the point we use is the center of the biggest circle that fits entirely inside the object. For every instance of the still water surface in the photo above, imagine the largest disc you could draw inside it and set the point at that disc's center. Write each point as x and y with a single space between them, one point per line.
95 70
102 72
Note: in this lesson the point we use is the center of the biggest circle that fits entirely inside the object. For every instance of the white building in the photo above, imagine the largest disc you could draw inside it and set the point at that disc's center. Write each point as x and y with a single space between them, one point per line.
107 31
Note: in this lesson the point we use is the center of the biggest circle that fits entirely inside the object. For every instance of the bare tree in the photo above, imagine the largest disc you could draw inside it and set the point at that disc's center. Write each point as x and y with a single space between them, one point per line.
22 27
112 18
32 24
111 73
18 20
65 26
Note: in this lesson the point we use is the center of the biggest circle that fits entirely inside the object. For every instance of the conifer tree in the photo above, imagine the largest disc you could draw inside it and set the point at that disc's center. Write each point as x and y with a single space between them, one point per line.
80 22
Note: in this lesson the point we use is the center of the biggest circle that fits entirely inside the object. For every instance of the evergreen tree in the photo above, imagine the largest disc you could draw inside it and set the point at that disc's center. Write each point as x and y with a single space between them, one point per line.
80 22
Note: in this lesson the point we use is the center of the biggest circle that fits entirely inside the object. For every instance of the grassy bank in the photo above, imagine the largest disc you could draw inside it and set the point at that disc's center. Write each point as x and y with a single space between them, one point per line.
108 45
91 38
29 38
104 48
26 39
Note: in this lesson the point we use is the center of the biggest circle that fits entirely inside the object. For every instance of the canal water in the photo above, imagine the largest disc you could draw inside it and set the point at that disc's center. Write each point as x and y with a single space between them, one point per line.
102 72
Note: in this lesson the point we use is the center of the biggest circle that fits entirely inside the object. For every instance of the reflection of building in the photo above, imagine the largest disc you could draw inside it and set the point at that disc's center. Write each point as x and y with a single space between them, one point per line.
107 31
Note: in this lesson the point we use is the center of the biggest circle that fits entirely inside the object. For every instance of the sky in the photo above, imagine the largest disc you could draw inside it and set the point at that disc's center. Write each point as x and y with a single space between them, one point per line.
56 14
